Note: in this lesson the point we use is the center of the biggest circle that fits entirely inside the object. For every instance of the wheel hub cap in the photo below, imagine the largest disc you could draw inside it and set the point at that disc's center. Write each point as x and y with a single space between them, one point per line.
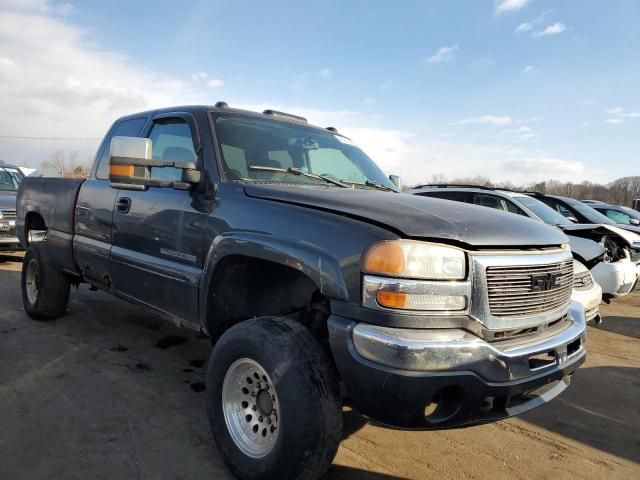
250 408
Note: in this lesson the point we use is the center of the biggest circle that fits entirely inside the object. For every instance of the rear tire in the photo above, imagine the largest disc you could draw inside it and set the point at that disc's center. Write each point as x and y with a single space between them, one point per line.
278 356
45 290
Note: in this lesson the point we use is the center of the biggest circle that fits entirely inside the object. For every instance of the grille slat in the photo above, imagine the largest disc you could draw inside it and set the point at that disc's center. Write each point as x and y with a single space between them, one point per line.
511 291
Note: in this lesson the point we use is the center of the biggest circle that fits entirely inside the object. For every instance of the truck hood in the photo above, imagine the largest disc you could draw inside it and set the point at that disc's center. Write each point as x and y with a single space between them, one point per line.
419 217
7 200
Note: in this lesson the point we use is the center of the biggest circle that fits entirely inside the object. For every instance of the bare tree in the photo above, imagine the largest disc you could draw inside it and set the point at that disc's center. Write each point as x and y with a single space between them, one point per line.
65 166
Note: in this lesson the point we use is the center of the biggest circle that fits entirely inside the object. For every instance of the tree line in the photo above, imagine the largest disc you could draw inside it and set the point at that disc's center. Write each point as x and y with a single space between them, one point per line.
621 191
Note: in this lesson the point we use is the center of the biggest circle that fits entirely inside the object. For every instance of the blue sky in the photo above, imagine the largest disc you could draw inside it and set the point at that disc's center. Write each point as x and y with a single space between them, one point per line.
513 89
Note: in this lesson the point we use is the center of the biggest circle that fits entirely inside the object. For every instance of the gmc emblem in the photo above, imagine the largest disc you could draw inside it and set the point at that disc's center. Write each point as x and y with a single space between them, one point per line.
544 282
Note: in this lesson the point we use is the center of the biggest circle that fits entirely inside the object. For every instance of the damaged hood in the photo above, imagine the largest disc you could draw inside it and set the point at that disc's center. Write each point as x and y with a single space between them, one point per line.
419 217
584 248
594 231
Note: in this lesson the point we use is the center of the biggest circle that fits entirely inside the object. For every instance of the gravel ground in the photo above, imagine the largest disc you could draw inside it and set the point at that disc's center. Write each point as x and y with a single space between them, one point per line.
112 391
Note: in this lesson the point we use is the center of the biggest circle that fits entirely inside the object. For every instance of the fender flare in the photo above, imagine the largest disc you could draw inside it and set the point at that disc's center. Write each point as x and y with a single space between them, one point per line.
308 259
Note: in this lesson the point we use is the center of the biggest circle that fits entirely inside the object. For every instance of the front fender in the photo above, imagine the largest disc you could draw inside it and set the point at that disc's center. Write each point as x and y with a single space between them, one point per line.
317 264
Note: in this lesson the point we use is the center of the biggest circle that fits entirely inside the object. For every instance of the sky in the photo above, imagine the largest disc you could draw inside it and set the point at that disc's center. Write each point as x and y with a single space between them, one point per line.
518 90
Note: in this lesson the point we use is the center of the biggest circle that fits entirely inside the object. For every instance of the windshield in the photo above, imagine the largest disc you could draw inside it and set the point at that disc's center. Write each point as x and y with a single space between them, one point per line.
630 212
262 150
592 215
10 179
543 211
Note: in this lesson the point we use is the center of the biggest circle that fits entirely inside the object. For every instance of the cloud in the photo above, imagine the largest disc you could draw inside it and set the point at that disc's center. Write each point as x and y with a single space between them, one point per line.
443 55
619 115
524 27
502 6
325 73
584 124
529 70
554 29
54 82
528 26
369 100
485 119
198 77
215 83
484 62
539 168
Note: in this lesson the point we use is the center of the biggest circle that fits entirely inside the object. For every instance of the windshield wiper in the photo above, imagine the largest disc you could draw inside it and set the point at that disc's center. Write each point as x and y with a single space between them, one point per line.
298 172
370 183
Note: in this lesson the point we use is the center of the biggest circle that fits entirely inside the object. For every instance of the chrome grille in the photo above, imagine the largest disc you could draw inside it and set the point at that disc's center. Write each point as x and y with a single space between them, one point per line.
8 214
582 281
635 256
512 292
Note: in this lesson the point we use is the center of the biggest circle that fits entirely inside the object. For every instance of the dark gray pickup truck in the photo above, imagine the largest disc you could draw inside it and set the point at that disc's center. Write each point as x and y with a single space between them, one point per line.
316 281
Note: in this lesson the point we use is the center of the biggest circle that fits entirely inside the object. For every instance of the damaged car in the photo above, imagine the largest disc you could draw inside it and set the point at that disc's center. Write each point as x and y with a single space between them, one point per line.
610 253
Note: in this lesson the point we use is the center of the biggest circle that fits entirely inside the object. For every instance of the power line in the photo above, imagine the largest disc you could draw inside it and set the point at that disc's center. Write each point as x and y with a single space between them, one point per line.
18 137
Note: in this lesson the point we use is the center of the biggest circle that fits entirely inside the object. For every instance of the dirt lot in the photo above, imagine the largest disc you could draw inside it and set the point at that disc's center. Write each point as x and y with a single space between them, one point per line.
113 391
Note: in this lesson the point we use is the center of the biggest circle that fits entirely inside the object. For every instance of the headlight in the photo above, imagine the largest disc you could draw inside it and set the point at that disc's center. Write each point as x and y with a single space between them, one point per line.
414 259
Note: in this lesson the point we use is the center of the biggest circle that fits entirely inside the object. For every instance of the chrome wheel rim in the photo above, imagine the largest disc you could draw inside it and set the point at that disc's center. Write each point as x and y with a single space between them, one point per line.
250 407
31 281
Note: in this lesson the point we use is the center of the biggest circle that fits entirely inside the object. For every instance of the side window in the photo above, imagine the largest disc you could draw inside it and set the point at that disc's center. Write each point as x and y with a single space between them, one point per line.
564 210
126 128
485 200
513 208
171 140
448 195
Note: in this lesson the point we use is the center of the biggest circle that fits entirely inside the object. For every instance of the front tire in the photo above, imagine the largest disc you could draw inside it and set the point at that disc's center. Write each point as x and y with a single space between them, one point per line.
45 290
273 401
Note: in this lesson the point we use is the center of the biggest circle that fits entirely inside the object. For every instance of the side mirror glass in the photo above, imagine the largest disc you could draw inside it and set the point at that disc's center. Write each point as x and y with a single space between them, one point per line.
130 164
395 179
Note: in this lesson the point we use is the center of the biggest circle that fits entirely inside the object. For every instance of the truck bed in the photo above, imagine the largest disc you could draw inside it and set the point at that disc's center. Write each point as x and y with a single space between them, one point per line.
50 203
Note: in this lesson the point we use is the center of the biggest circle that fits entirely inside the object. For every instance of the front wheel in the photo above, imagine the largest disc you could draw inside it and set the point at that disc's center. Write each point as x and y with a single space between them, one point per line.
273 401
45 290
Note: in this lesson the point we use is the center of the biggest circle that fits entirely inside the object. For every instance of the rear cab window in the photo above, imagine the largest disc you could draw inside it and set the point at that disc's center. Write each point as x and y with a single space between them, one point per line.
125 128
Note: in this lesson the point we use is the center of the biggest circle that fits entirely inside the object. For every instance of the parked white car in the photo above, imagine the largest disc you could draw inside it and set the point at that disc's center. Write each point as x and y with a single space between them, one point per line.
587 292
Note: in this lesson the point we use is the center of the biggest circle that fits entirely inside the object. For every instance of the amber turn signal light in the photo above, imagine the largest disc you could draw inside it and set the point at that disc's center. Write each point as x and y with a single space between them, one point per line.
392 299
121 170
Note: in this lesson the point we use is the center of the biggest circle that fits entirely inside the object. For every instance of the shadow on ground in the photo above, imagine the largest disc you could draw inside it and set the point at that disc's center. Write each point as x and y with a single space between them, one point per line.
627 326
592 411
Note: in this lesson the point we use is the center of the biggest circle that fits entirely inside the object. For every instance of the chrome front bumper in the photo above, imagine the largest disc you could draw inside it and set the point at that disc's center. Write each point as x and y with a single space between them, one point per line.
456 350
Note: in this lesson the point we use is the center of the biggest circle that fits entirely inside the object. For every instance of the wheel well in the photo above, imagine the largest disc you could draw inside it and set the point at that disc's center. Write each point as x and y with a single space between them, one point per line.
33 221
245 287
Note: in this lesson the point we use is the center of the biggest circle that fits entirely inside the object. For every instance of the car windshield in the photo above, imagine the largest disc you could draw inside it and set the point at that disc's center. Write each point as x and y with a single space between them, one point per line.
272 151
543 211
10 178
591 214
630 212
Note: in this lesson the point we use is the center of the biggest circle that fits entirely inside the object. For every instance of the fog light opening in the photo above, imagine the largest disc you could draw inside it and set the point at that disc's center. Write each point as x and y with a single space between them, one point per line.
574 347
542 360
444 405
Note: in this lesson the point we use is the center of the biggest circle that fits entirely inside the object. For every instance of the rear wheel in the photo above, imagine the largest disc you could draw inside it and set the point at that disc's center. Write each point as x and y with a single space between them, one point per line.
45 290
273 401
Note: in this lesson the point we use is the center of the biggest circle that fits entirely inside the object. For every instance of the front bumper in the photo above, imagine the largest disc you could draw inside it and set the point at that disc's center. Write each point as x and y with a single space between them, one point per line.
9 240
617 278
590 300
435 379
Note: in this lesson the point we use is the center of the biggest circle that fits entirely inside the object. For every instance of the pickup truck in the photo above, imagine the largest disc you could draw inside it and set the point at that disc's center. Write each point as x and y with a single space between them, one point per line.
316 280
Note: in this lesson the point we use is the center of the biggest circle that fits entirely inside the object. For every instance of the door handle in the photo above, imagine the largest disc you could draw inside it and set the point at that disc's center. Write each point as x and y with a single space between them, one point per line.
123 204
